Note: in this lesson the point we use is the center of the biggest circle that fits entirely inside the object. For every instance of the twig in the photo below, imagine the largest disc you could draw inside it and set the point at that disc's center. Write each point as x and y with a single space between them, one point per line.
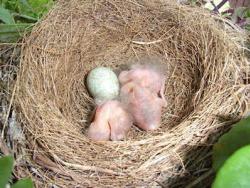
198 180
86 168
8 112
11 43
217 8
3 147
47 163
161 184
146 43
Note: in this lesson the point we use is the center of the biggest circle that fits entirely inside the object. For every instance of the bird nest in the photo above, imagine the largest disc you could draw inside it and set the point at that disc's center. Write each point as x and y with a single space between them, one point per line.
204 91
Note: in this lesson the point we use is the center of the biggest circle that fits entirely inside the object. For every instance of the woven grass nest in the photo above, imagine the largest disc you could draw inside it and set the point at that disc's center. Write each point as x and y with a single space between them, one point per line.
204 90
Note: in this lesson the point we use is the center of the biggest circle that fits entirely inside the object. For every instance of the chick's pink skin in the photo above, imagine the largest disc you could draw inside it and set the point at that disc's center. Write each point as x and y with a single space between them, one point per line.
111 122
146 76
145 106
99 129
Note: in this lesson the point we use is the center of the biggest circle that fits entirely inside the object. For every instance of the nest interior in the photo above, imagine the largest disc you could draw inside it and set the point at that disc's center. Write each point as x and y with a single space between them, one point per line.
203 82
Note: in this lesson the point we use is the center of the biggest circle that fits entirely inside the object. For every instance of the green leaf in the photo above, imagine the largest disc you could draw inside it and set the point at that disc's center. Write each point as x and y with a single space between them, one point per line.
247 13
40 7
10 5
6 166
3 2
34 8
24 8
5 16
16 15
236 138
13 32
247 27
235 172
23 183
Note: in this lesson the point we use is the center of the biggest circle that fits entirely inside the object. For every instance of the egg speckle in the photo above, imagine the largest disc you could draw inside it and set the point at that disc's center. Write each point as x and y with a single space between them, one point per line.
103 84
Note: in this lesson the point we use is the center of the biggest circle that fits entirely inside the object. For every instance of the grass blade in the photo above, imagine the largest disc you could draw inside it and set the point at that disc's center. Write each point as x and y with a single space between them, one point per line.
6 16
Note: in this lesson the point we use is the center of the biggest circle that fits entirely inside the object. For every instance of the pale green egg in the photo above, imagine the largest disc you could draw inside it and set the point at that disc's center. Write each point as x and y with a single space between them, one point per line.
103 84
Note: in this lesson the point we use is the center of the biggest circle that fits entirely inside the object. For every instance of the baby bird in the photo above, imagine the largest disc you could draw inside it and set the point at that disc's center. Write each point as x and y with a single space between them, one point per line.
147 76
111 122
144 105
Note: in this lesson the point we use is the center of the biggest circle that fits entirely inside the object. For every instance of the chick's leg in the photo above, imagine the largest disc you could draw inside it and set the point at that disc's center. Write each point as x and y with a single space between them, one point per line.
99 132
99 129
119 126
